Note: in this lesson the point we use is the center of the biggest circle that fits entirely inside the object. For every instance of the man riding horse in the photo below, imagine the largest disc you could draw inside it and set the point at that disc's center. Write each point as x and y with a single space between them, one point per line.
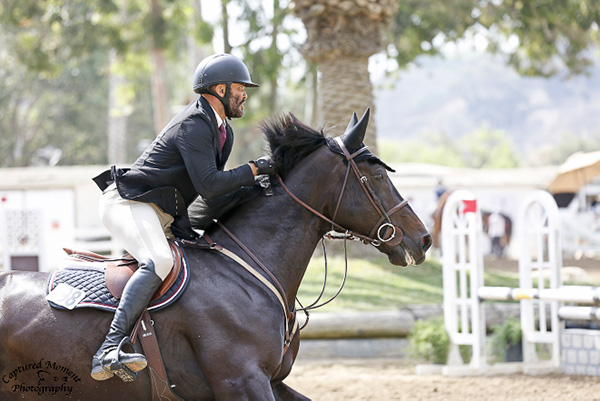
143 205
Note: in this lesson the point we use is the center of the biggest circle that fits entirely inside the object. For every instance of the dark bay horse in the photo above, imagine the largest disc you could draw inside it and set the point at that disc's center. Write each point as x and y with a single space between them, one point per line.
224 338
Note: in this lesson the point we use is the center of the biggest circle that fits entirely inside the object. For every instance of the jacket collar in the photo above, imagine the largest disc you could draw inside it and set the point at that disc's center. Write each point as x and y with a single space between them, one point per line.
215 117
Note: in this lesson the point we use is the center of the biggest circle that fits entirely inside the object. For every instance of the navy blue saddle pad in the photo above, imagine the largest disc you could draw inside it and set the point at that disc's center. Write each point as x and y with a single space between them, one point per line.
86 287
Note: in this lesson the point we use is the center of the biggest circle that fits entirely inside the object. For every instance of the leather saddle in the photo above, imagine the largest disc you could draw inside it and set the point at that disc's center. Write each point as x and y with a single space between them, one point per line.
119 270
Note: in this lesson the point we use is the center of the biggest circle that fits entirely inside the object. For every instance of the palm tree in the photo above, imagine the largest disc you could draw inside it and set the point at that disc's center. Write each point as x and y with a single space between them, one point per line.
341 36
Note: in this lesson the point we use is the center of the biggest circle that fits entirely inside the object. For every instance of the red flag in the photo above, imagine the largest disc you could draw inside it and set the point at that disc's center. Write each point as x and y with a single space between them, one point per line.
470 206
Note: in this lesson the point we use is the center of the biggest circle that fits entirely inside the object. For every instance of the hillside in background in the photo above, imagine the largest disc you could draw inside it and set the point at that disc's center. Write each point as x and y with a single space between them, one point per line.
461 94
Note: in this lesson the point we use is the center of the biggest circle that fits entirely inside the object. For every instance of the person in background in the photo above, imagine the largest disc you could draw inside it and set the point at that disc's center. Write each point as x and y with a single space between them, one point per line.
440 189
496 230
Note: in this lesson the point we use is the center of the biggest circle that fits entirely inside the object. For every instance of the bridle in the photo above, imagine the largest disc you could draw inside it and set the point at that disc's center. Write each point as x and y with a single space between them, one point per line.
384 230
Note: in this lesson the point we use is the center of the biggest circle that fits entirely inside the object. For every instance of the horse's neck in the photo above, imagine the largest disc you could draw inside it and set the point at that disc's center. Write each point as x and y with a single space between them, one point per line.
281 236
281 233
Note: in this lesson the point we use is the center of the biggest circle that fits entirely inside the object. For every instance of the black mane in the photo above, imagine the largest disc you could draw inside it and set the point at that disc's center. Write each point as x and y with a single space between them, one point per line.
289 141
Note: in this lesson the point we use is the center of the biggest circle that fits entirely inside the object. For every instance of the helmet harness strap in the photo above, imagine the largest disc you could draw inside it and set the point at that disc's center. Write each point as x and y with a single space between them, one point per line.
224 99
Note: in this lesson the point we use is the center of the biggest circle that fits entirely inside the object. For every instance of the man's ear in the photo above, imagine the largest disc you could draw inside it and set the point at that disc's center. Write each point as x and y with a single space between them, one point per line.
220 89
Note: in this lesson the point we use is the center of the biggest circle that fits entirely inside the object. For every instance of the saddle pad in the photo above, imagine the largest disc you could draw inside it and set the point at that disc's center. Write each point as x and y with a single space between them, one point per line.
90 279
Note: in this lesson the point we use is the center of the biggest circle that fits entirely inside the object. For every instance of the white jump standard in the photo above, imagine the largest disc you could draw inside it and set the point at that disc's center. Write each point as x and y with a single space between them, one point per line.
540 262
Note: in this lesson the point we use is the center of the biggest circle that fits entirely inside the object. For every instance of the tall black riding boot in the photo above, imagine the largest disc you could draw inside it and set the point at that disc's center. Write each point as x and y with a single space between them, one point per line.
110 359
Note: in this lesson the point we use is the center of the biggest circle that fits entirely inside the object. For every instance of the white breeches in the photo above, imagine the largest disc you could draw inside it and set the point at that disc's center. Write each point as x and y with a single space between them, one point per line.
141 228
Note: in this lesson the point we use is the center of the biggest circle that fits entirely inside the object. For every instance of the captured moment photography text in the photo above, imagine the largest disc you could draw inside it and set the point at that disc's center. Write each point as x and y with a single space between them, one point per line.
41 377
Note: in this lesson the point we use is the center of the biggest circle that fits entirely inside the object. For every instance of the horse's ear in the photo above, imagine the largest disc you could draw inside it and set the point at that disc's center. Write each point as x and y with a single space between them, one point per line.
352 122
355 133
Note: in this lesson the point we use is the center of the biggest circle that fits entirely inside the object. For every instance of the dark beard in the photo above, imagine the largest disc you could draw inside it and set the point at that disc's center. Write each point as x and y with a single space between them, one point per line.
236 109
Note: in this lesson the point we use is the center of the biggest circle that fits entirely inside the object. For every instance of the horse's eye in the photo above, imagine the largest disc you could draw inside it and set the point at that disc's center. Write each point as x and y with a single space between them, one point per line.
378 177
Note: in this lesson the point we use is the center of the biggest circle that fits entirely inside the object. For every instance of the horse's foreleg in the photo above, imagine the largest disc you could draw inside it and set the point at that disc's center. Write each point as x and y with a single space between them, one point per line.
283 392
243 386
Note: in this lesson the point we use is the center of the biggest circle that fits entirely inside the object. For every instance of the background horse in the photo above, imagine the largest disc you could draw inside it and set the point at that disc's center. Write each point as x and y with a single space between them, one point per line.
225 337
437 223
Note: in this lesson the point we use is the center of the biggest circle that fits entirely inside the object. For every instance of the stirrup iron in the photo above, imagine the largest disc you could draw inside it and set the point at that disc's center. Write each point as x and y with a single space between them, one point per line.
119 368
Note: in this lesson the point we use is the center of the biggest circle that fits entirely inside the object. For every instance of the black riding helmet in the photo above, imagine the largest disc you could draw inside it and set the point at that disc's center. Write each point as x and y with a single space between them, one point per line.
221 69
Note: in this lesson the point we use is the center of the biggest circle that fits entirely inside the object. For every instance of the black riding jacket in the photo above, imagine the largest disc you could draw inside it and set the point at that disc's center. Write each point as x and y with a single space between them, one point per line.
184 161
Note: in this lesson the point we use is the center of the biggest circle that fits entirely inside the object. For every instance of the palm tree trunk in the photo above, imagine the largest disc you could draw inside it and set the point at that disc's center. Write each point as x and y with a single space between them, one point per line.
345 90
341 36
311 106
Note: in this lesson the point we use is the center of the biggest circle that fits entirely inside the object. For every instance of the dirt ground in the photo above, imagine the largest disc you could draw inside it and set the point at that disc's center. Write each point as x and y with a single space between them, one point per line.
390 379
395 380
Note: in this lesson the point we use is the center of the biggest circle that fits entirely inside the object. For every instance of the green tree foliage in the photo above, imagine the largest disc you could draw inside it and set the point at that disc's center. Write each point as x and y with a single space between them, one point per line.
50 78
539 37
66 112
432 148
483 148
44 34
551 33
487 148
418 23
548 35
269 51
54 63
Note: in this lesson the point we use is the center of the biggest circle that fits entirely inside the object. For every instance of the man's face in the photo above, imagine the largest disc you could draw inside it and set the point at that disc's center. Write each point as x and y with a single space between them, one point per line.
236 100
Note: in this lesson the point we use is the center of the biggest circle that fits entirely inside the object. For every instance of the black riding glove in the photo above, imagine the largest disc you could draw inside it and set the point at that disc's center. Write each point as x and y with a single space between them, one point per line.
265 166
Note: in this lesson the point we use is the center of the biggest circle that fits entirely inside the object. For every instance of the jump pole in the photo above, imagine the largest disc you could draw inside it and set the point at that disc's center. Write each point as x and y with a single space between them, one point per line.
576 294
579 313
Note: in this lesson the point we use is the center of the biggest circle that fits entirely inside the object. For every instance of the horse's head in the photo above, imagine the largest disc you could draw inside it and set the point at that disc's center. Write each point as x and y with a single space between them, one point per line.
352 191
370 205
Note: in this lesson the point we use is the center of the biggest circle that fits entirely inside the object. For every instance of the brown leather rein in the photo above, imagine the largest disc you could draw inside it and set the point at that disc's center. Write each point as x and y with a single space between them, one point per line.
383 226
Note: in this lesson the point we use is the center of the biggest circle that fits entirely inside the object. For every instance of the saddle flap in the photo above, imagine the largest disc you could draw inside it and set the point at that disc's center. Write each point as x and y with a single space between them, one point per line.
117 274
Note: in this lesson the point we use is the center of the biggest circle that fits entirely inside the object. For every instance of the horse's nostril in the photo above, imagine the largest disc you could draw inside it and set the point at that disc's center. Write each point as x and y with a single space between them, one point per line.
426 242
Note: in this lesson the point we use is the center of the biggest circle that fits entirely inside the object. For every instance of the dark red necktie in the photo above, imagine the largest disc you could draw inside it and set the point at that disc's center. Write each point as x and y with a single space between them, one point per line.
222 135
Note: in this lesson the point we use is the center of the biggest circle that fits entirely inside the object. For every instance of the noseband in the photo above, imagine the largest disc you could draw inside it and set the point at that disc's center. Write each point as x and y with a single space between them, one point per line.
384 229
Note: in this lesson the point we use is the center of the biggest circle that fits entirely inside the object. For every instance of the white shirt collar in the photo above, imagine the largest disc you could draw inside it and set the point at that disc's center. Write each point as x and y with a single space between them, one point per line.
219 119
